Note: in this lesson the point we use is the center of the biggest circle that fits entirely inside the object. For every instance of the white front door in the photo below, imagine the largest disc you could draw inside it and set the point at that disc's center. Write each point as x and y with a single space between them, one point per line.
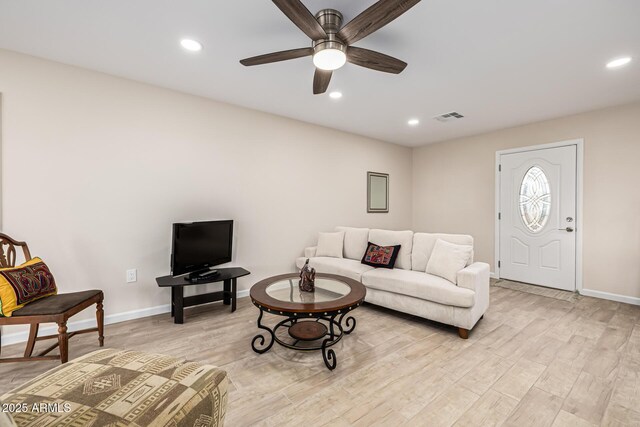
537 217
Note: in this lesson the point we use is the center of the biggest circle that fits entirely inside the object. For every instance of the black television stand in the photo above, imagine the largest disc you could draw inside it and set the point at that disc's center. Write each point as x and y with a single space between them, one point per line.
179 302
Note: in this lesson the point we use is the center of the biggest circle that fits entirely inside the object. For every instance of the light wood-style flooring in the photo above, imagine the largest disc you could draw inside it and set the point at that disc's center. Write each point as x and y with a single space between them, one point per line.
532 361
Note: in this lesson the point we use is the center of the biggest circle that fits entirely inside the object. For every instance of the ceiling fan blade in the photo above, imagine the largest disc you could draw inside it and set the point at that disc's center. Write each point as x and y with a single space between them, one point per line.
277 56
300 15
375 60
374 18
321 80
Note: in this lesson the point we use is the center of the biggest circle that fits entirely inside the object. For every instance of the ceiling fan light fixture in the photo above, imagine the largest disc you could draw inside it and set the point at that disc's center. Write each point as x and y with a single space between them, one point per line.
329 55
332 42
329 59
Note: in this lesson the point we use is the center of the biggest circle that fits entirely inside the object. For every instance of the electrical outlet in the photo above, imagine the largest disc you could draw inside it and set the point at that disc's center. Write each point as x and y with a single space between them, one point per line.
132 275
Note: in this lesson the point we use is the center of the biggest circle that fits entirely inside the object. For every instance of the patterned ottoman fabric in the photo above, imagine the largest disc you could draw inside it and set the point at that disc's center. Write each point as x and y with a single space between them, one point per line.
122 388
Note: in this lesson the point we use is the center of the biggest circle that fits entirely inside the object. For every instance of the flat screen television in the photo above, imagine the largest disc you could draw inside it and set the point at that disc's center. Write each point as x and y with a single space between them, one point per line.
198 246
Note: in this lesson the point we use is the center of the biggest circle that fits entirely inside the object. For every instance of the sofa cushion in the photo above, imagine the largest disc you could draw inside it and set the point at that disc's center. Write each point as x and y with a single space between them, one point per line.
419 285
342 266
392 238
330 244
447 259
355 241
423 244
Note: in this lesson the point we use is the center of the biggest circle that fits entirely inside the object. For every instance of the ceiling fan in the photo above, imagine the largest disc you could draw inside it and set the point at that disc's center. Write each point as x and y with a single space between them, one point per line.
332 43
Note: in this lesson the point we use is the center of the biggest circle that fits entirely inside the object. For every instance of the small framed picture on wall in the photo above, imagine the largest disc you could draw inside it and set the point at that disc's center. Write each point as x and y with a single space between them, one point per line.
377 192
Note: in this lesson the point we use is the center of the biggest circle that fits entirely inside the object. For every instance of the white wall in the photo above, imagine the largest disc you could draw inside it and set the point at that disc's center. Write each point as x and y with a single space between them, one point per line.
96 168
453 191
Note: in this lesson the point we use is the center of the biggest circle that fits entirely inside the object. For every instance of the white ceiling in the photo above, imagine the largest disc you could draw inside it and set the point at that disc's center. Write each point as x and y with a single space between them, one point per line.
498 62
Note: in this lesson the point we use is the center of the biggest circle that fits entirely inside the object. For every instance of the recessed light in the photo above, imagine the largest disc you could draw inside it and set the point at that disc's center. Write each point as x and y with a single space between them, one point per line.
335 95
413 122
619 62
191 45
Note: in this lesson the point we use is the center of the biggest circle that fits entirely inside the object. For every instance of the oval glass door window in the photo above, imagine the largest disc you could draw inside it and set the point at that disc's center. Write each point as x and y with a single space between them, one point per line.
535 199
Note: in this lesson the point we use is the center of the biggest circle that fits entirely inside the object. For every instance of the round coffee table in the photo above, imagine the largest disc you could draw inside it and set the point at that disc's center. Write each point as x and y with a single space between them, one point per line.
313 320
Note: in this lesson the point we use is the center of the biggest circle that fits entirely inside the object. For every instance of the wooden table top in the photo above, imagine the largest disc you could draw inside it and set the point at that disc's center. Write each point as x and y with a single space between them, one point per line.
259 295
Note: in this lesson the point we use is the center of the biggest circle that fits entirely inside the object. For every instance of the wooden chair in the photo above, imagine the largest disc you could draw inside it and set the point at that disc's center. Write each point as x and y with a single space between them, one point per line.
56 308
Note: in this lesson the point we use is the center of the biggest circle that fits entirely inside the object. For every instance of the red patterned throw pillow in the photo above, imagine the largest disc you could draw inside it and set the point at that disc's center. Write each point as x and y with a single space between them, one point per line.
24 284
380 256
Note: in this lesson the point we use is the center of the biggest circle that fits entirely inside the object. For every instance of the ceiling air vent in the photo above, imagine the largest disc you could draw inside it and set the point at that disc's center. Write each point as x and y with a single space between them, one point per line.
447 117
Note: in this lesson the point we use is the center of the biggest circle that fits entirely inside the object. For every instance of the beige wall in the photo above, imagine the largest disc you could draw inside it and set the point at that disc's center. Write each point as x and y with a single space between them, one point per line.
453 190
96 168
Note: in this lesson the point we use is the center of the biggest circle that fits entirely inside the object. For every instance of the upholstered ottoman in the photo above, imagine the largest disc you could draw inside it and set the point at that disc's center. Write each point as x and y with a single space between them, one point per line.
122 388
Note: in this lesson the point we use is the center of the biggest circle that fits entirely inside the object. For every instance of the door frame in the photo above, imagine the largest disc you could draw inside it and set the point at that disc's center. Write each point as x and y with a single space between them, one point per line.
579 144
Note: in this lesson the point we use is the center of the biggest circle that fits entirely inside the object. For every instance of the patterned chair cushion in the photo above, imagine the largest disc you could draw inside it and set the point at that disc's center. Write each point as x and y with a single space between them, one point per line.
123 388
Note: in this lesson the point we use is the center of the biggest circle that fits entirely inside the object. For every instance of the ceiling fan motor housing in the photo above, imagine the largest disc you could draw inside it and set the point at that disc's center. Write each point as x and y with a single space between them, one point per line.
331 21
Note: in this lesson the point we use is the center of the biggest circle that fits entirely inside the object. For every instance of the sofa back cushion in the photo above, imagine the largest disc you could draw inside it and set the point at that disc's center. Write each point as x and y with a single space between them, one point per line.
423 244
355 242
330 244
392 238
447 259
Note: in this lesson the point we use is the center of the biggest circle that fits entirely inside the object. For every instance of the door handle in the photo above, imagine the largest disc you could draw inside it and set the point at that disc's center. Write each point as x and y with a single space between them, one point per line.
568 229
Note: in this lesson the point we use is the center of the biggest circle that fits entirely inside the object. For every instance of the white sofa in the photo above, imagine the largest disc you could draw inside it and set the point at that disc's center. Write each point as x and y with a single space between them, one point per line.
407 287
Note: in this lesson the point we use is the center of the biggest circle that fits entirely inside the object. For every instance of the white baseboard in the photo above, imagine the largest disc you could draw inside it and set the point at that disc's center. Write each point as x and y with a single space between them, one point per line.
18 337
600 294
493 275
610 296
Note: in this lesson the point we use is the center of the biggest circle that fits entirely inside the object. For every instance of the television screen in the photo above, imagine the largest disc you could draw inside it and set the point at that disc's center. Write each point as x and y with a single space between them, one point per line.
200 245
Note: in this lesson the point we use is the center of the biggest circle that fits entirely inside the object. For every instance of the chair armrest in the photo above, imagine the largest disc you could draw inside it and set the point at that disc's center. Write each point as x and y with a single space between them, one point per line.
310 252
475 277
